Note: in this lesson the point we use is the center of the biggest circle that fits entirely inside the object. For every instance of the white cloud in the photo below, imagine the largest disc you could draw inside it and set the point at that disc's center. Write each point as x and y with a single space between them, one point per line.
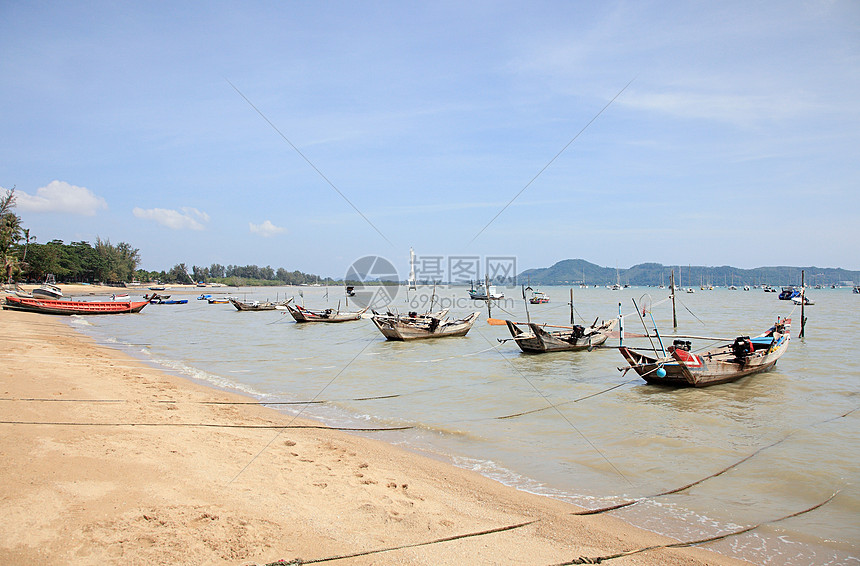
741 108
266 229
186 218
59 196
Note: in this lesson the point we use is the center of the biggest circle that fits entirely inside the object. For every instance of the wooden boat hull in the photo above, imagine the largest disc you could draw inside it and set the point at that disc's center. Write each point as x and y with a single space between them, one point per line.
719 365
301 314
647 366
404 328
50 306
257 305
540 340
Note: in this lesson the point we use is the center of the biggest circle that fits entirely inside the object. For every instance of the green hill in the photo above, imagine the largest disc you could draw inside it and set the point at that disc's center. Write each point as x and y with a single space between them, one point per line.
576 271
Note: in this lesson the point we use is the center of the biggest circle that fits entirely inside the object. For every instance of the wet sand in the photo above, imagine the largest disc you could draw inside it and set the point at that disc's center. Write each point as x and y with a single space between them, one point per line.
105 460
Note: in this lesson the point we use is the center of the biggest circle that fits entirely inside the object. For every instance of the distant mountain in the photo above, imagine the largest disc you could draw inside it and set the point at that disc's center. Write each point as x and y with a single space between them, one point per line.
576 271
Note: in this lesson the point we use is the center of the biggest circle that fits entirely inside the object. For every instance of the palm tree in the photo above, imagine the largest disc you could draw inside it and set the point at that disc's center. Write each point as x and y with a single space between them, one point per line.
10 232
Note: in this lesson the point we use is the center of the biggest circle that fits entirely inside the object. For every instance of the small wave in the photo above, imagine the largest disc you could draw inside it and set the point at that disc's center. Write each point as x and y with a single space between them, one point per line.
206 377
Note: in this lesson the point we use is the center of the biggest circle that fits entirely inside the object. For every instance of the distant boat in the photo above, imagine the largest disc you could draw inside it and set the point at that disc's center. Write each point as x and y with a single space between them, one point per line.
488 293
789 293
52 306
119 297
538 298
218 300
48 289
164 301
806 300
22 293
744 356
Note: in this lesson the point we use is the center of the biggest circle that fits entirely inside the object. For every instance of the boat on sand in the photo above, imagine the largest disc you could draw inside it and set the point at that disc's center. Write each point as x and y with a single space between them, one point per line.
53 306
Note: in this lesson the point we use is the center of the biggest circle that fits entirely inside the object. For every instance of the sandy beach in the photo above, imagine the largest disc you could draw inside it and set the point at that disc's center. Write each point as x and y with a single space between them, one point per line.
106 460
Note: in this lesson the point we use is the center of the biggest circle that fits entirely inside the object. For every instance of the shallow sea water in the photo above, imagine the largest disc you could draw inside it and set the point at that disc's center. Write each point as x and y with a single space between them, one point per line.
594 437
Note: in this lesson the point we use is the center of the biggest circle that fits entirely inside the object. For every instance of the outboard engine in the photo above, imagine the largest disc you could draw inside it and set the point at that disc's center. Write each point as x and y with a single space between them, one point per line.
742 347
681 345
578 331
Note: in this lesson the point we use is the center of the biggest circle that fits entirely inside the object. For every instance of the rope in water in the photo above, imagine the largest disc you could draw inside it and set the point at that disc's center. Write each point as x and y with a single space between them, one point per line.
600 559
579 560
719 473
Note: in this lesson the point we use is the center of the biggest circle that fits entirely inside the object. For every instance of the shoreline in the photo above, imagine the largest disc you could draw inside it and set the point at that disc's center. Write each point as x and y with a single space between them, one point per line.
141 465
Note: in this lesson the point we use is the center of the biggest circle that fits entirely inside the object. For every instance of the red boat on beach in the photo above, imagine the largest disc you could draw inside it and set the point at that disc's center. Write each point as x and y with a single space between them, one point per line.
48 306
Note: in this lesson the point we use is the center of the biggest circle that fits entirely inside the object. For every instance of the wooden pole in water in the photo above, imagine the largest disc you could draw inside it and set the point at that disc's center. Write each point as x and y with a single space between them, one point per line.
802 301
489 299
672 292
571 306
526 303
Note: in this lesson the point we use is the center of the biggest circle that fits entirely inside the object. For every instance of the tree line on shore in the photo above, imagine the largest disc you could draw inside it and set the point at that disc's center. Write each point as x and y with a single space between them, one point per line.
25 260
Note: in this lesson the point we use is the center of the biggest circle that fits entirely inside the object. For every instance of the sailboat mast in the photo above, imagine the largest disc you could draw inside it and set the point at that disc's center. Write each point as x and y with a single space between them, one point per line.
411 269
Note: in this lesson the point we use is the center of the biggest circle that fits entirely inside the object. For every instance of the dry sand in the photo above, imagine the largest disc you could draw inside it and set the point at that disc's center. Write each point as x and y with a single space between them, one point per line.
105 460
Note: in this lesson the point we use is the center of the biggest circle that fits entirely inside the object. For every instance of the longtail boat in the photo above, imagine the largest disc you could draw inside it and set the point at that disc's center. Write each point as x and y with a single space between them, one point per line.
301 314
414 327
50 306
257 305
538 339
729 362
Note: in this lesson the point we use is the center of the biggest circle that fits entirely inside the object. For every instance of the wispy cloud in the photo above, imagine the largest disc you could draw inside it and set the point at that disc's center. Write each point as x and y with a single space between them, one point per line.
266 229
59 196
737 108
186 218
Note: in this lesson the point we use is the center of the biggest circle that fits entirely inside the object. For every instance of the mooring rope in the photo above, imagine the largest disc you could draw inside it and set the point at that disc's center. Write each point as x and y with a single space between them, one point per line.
207 425
568 402
579 560
299 561
600 559
453 357
715 474
560 414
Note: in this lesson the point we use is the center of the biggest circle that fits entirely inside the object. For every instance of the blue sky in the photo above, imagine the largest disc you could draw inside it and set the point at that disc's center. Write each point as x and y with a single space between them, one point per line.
239 133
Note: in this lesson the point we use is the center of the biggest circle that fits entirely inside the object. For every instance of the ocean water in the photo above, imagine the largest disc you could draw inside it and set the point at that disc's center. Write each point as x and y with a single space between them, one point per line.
585 432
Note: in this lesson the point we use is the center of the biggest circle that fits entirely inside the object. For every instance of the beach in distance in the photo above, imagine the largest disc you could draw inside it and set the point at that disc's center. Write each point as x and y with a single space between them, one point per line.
199 434
106 460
